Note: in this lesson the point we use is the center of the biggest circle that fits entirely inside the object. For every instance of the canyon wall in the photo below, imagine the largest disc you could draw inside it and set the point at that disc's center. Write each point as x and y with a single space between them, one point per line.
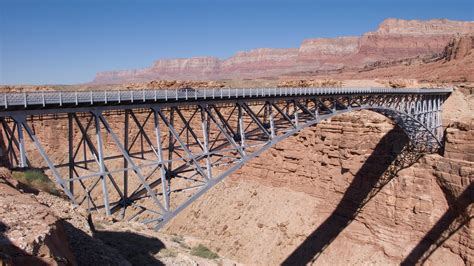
394 39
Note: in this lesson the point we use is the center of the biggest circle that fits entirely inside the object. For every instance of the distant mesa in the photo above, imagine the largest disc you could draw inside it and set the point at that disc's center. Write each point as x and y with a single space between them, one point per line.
394 39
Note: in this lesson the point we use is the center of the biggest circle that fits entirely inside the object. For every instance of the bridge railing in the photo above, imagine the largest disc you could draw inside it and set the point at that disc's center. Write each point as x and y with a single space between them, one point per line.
61 98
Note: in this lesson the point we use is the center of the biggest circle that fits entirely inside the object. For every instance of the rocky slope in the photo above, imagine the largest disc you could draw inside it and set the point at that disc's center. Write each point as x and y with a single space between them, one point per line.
394 39
42 229
29 233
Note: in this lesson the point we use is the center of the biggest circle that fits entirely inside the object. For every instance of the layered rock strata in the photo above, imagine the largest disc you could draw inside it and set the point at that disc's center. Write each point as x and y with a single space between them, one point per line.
394 39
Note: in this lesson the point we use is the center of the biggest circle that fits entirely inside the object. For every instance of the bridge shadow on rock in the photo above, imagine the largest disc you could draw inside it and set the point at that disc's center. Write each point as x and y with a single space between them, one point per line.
113 247
137 249
457 215
393 153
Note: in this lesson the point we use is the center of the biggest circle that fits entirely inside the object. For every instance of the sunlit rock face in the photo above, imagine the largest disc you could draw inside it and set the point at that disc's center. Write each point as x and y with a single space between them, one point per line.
394 39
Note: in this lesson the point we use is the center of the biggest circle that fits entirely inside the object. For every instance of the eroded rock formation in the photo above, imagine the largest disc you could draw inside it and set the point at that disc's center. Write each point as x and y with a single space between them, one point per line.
29 233
394 39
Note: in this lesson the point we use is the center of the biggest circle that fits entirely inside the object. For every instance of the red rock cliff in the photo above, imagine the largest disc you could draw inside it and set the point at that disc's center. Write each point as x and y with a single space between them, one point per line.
394 39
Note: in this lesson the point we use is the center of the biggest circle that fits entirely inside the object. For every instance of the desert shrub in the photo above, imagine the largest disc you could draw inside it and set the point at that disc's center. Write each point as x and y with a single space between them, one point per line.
203 252
167 253
177 239
36 180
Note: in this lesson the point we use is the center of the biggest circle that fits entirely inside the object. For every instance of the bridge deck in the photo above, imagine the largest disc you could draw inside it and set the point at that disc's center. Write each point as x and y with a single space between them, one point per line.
59 99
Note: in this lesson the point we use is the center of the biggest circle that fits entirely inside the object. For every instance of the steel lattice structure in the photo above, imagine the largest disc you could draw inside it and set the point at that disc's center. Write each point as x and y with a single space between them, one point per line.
146 155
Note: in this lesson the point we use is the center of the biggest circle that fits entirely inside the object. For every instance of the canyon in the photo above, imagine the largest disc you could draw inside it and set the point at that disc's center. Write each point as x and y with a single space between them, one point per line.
393 40
336 193
320 197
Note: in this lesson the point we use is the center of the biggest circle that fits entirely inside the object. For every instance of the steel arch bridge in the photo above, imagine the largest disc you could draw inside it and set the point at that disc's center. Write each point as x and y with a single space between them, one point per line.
147 154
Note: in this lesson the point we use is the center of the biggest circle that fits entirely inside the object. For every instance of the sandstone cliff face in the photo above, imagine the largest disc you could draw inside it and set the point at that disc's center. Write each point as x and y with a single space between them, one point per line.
459 48
265 61
199 67
434 26
394 39
453 64
336 46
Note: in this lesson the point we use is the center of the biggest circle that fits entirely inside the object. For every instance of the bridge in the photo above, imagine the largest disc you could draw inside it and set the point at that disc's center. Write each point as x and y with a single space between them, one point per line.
146 155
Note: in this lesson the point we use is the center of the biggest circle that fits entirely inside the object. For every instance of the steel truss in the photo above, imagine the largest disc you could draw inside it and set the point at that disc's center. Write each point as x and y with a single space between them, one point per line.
151 162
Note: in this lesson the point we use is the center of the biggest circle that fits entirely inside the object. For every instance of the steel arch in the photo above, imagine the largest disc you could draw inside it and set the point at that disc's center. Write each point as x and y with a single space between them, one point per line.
171 152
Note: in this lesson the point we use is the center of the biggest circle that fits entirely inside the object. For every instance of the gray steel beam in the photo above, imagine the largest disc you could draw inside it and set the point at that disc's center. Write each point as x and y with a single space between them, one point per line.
21 146
159 145
39 147
136 169
222 130
100 157
182 144
255 118
126 147
95 154
204 125
71 151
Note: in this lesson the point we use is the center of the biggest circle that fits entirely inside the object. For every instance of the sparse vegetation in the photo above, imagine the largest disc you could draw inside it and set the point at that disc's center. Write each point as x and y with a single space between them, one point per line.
36 180
177 239
99 226
167 253
203 252
180 240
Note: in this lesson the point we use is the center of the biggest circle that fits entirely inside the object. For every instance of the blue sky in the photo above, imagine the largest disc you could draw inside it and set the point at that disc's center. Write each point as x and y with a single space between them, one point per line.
68 41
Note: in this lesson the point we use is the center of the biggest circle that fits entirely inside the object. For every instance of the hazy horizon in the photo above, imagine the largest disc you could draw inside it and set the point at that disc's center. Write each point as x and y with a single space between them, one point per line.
59 42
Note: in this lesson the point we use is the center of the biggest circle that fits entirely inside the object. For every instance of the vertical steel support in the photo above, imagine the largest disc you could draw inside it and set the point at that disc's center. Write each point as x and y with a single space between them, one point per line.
272 123
170 142
159 146
241 128
100 155
125 145
142 146
295 113
316 109
204 124
438 121
21 146
71 151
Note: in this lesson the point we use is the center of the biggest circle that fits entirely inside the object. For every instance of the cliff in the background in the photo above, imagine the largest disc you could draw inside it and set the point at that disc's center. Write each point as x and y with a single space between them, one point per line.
393 40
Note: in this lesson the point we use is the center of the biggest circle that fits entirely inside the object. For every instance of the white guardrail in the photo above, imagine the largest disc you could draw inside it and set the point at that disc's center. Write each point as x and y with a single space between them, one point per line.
60 98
